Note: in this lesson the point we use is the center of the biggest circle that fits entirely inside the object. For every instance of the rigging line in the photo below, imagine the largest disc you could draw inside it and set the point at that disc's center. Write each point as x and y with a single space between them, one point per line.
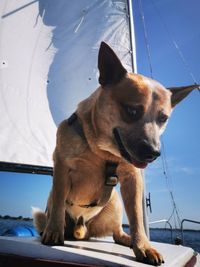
167 177
174 214
171 215
177 47
165 169
146 38
168 187
176 209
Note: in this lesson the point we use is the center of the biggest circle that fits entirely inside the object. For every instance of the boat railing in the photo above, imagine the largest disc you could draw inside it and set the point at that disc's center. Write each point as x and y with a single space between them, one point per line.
182 230
167 222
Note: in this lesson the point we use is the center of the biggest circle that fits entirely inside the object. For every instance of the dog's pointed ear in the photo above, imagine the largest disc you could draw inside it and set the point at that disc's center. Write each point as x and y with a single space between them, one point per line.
179 93
110 67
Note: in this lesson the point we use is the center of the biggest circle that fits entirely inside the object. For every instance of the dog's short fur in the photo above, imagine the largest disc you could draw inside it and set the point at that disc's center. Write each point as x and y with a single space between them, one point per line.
122 122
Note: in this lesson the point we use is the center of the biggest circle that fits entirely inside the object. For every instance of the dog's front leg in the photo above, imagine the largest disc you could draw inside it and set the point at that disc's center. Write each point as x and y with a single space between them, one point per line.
54 231
132 191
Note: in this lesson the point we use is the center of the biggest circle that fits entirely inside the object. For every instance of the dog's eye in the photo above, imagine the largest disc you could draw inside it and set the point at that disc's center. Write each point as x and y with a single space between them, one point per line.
134 112
162 118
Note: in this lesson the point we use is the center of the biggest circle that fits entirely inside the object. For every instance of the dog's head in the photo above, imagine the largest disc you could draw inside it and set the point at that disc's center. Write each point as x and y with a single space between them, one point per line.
133 110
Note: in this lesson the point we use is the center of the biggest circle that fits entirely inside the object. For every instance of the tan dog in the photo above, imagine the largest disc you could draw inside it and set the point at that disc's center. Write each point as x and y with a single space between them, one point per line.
114 133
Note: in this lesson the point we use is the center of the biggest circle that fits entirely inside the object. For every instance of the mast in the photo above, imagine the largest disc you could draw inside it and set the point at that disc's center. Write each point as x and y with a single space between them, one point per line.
134 67
132 36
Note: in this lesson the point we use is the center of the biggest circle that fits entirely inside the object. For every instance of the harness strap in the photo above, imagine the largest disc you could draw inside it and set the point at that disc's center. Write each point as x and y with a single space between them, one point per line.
73 120
111 179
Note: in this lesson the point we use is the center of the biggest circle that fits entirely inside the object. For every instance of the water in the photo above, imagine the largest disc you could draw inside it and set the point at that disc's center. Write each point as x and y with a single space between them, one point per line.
191 238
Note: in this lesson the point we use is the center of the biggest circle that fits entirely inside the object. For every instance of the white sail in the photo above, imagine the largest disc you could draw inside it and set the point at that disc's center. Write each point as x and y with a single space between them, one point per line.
48 63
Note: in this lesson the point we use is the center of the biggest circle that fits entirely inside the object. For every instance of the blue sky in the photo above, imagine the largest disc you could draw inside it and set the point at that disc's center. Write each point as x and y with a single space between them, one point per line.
18 192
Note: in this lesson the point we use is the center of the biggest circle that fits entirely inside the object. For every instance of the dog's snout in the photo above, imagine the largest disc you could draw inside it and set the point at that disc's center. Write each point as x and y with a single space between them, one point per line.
147 152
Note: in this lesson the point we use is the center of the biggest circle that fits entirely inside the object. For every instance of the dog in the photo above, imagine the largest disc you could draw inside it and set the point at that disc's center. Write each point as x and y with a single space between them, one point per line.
113 134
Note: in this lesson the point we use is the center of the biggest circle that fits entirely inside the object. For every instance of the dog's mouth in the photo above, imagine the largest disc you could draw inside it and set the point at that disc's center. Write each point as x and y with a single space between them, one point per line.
125 154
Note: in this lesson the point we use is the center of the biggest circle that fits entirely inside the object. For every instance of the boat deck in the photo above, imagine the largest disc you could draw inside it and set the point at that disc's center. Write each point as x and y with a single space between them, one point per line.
20 251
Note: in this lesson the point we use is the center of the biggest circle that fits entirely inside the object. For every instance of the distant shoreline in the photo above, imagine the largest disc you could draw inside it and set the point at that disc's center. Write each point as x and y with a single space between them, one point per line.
167 229
18 218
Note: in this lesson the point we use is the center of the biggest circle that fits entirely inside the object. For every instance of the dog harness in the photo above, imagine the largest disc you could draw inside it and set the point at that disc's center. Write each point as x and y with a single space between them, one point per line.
111 178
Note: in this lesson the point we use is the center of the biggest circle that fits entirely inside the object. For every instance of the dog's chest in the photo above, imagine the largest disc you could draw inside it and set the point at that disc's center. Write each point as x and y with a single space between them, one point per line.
87 189
87 182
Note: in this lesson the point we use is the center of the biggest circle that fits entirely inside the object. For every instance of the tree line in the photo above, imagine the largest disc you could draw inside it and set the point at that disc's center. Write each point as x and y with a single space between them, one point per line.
20 218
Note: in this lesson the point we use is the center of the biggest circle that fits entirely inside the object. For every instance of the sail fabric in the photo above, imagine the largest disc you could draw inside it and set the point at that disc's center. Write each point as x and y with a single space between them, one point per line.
48 64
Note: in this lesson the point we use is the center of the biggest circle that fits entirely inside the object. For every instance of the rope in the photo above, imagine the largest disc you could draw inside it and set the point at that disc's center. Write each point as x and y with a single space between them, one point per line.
168 178
177 47
146 38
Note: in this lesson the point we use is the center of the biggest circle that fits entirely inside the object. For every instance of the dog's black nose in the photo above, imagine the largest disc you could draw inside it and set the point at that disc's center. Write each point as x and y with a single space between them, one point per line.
147 152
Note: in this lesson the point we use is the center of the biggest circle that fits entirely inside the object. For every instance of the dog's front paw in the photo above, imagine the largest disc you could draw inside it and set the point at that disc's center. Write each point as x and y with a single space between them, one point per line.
148 255
53 236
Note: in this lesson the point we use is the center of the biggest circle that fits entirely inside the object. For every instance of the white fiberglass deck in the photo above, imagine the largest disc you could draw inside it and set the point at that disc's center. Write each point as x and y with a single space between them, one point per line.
101 252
